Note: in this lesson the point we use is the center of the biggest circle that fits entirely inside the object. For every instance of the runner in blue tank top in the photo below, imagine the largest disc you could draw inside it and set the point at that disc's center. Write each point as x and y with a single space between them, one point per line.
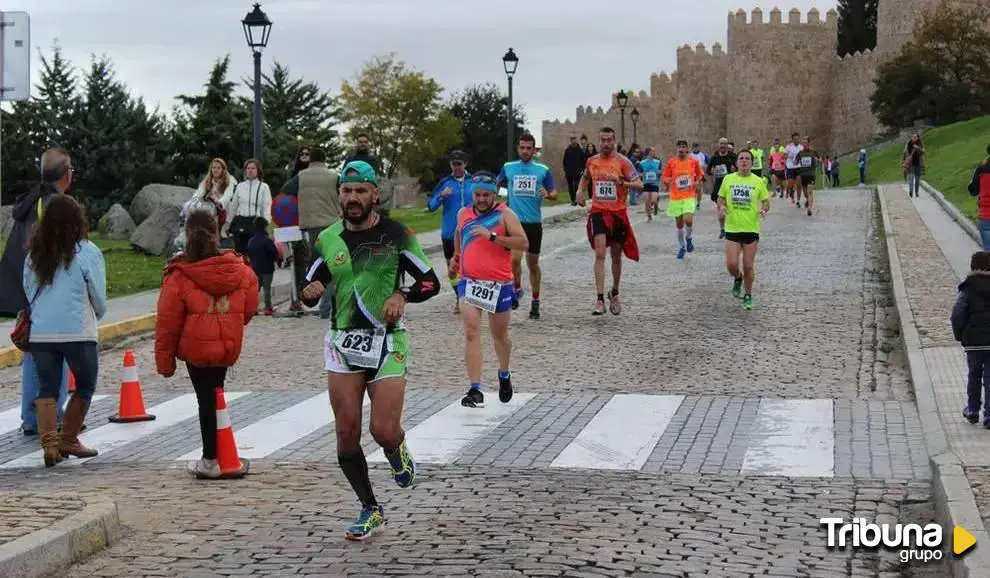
528 183
649 170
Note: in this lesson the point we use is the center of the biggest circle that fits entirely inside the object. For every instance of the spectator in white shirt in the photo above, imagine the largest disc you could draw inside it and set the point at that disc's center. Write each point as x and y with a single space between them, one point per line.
250 200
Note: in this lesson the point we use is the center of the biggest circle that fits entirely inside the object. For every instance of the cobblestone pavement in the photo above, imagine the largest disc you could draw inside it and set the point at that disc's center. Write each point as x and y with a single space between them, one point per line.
810 383
22 513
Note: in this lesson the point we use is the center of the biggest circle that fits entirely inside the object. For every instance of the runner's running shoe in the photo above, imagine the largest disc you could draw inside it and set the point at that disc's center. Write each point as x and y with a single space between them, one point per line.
614 305
690 245
473 398
971 417
737 288
599 308
403 466
371 521
747 302
504 389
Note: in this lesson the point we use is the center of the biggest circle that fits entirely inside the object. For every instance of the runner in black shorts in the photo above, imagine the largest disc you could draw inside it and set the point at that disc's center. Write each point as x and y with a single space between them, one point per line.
534 233
723 164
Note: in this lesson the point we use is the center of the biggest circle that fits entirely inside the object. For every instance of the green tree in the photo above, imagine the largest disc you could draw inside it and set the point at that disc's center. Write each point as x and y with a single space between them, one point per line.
857 26
402 113
481 108
120 145
942 74
49 118
296 113
211 125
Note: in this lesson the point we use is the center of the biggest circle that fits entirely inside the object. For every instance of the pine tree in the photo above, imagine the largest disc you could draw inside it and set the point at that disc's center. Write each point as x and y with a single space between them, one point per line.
211 125
857 26
58 101
104 157
295 113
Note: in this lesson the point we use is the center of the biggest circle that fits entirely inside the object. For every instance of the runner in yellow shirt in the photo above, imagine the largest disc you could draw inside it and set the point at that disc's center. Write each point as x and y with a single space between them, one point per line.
743 200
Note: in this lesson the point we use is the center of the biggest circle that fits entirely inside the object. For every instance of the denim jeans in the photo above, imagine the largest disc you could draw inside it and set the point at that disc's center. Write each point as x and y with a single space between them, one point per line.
914 179
978 383
985 234
31 386
82 357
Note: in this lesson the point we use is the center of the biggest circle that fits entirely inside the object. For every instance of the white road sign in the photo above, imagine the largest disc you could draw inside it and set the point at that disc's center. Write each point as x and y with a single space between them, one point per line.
15 56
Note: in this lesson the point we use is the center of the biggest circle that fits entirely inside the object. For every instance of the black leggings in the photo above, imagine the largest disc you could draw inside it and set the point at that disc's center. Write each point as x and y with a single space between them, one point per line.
205 381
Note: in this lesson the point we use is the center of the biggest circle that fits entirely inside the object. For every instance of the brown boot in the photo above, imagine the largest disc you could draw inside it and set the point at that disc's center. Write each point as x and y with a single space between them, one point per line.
46 408
72 422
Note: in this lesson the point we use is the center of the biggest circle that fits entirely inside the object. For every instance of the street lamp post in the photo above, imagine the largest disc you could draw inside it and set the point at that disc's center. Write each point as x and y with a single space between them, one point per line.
510 61
622 99
634 115
257 27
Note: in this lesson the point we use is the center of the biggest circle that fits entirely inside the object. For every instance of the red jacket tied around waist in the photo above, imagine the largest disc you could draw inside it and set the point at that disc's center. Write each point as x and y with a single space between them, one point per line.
202 310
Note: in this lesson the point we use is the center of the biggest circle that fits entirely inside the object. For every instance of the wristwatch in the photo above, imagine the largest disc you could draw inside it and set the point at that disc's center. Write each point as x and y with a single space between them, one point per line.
491 236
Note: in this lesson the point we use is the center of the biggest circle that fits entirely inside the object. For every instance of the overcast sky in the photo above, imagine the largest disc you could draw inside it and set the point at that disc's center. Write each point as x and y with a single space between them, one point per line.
571 52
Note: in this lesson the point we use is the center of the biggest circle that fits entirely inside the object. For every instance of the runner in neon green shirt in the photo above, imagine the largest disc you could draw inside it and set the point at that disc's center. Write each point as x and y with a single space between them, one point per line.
743 200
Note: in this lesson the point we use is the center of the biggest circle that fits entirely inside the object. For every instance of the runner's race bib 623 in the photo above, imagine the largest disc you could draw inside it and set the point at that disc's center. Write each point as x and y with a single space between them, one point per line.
605 191
684 182
524 185
483 294
361 347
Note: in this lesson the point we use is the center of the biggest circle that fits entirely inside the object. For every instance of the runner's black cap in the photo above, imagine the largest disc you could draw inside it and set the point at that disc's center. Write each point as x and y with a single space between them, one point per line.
457 156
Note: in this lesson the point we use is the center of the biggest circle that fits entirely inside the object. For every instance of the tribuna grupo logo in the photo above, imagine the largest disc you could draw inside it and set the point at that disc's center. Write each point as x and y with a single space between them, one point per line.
914 541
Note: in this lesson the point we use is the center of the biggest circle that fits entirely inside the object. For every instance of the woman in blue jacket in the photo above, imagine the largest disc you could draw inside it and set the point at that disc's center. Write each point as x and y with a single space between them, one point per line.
66 285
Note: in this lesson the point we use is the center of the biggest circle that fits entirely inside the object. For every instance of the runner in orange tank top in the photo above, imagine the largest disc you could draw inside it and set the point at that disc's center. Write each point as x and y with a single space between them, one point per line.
609 175
683 178
486 235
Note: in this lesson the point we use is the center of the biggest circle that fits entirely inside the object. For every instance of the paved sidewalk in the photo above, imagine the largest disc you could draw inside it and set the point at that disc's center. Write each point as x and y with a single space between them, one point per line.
134 313
933 253
42 533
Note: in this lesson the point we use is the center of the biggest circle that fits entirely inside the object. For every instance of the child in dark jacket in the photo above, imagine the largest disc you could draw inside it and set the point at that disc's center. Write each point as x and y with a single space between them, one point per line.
262 253
971 326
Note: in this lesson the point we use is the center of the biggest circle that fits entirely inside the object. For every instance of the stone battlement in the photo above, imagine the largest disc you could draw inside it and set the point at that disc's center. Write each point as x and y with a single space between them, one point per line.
700 52
867 54
661 84
739 18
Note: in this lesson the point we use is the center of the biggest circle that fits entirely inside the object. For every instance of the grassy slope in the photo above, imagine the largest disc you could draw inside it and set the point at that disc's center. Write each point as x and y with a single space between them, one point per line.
953 152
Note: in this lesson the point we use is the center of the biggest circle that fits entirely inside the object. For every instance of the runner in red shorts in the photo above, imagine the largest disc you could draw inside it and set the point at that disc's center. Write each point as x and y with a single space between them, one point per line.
610 176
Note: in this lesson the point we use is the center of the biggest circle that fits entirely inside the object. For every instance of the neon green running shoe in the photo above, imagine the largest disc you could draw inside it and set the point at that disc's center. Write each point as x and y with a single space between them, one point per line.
368 523
747 302
737 288
403 466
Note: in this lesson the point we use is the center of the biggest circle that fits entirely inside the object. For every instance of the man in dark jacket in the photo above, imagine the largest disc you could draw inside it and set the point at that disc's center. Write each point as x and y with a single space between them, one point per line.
56 176
363 153
574 160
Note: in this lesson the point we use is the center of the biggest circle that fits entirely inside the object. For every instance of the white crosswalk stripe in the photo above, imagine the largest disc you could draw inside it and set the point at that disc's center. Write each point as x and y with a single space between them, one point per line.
10 419
792 437
787 438
622 435
440 439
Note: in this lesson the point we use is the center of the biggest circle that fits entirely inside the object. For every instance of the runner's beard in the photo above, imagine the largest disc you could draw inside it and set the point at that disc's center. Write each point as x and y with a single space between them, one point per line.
357 218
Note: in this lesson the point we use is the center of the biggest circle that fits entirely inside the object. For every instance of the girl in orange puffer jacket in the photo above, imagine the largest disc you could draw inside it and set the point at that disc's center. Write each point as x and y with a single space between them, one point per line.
206 299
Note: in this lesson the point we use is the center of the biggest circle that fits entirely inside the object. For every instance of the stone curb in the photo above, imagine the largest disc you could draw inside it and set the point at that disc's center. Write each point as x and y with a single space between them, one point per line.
955 502
281 293
62 544
954 212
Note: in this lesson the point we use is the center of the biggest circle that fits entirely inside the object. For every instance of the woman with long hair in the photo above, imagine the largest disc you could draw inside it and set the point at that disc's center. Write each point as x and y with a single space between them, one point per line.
214 192
913 154
302 162
251 199
65 280
207 297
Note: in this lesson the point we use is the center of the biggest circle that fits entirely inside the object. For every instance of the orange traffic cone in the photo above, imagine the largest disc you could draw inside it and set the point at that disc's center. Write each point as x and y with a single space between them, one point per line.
72 382
131 399
231 465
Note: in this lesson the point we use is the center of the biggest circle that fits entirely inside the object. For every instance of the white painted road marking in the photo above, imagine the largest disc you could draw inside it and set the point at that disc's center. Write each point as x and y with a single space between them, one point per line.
440 439
10 419
792 437
111 436
622 435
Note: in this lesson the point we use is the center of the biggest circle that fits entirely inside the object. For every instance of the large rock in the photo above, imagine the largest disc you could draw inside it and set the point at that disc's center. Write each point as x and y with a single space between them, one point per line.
116 223
6 220
157 233
151 197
